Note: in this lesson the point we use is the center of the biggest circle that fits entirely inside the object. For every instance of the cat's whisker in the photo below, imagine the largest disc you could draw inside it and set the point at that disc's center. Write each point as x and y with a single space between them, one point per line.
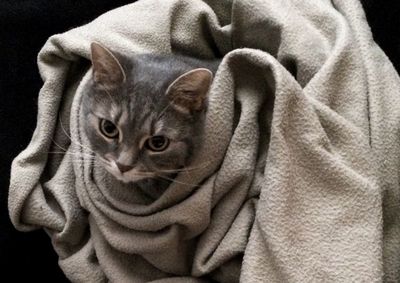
57 145
92 165
111 97
85 159
72 154
73 141
166 108
175 181
187 168
69 152
191 168
205 164
79 156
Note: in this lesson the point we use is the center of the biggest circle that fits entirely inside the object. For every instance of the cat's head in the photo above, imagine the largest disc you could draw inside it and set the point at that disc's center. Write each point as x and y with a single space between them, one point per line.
144 116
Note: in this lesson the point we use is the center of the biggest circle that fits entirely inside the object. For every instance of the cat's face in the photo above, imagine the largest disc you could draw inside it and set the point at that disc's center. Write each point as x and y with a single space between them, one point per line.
143 119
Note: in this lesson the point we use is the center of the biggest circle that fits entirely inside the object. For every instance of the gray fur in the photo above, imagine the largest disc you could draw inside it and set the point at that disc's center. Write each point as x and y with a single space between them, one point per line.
140 108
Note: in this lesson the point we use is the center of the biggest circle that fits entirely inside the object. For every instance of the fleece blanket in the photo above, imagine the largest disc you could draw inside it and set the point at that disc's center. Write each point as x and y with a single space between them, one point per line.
298 176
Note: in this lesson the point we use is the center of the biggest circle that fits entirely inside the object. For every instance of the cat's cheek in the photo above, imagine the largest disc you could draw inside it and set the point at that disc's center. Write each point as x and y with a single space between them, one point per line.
173 158
180 152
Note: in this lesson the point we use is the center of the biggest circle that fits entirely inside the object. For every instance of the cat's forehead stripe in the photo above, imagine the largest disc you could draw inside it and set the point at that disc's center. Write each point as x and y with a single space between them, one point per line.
145 120
146 125
124 118
115 112
159 126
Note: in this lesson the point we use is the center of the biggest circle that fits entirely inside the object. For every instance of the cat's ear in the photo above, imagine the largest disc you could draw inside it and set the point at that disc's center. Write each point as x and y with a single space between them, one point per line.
107 71
188 92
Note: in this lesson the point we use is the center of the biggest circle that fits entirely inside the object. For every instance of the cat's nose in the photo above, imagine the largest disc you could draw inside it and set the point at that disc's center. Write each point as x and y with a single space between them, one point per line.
123 168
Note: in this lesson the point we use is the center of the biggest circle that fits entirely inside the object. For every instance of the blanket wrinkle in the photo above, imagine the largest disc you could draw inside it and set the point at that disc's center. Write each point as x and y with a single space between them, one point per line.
301 147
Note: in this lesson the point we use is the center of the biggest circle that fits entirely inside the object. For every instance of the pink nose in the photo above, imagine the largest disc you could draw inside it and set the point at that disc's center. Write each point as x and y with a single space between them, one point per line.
123 168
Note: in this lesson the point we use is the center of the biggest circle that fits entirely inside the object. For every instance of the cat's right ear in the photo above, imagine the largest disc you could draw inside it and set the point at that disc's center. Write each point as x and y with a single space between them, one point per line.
188 93
107 71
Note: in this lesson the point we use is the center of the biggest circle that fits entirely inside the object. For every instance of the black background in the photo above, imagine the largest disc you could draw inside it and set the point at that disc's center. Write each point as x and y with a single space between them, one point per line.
24 28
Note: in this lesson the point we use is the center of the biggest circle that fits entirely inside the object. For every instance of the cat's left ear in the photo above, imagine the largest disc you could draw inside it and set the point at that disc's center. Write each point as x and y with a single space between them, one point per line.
107 71
188 92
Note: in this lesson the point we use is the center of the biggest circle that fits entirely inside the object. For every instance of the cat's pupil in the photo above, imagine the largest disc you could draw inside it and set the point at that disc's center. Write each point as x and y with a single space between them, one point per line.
108 129
157 143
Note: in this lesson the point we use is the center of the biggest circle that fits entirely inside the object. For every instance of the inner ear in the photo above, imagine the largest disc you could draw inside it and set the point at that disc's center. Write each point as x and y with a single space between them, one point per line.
189 91
107 71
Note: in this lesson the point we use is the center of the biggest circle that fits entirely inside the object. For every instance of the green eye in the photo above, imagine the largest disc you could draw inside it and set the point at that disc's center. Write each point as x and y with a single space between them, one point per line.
108 129
157 143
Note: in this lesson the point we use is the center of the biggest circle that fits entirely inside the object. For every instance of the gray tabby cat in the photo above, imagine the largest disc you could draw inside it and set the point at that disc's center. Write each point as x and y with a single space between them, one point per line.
144 114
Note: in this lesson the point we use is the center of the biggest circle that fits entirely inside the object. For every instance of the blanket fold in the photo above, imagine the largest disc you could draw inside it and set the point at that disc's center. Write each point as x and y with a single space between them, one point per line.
297 179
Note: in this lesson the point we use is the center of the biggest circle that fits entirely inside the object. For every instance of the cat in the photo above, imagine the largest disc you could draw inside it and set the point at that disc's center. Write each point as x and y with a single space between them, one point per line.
144 114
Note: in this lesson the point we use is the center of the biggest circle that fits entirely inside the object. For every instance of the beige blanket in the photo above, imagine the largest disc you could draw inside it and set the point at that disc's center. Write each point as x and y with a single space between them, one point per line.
308 192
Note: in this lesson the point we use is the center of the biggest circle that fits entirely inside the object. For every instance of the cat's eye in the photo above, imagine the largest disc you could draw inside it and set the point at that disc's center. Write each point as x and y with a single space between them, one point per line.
157 143
108 129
